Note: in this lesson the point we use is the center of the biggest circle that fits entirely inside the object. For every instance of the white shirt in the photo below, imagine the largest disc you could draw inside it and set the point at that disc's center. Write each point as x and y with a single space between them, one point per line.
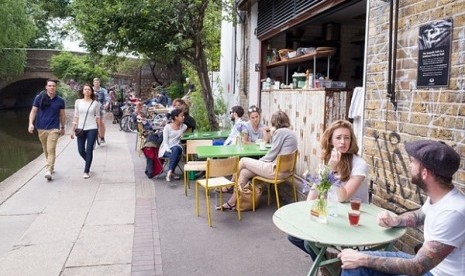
445 223
80 109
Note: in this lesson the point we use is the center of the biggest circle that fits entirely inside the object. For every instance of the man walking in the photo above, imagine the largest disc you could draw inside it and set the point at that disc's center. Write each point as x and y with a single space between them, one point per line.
432 165
103 99
48 117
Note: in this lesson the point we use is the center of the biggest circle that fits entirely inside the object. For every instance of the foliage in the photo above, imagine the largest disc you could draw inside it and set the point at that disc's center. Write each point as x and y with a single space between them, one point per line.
68 94
48 18
82 69
16 31
198 110
323 180
164 31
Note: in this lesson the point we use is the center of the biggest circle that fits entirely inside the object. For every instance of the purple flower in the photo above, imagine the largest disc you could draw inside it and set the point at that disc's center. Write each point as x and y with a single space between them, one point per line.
323 180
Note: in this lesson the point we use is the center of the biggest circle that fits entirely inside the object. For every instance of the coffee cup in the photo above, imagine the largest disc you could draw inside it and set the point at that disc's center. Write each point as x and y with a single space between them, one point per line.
263 145
258 141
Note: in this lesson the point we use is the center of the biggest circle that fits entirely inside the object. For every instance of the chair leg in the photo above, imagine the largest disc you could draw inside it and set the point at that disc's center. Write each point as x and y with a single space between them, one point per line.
295 191
197 199
207 199
186 180
277 194
238 207
269 193
253 194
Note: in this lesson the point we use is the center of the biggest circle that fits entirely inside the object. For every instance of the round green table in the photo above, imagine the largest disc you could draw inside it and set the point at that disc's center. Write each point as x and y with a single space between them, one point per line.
295 220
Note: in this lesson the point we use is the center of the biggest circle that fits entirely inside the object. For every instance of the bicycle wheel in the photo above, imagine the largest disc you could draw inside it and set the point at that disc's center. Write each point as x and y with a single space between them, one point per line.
125 123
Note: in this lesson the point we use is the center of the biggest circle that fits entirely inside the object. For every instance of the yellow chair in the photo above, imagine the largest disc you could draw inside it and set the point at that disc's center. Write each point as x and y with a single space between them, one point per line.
191 166
140 138
215 178
285 165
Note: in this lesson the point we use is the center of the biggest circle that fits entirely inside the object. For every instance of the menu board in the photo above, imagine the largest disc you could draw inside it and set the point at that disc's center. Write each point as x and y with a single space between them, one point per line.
434 50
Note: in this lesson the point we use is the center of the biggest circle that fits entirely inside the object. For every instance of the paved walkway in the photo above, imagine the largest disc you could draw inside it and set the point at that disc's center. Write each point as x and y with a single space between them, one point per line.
118 222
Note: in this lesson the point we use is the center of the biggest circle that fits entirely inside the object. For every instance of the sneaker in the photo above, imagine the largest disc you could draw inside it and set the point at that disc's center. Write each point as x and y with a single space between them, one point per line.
86 175
48 175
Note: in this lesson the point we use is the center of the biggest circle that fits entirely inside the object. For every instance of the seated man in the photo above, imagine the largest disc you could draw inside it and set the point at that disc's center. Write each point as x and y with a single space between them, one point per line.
432 165
236 116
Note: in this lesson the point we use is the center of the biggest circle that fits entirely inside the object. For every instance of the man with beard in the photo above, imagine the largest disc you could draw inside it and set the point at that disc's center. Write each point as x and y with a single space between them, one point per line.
432 165
236 116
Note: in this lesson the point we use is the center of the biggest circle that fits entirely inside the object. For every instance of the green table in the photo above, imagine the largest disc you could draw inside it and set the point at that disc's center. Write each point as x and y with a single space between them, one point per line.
230 150
294 219
206 135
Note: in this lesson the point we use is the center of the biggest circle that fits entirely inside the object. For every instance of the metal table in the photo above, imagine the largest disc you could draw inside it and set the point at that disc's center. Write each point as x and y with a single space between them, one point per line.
206 135
230 150
295 220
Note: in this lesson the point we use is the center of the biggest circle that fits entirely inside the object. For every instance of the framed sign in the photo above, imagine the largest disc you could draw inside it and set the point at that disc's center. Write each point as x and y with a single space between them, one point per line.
434 50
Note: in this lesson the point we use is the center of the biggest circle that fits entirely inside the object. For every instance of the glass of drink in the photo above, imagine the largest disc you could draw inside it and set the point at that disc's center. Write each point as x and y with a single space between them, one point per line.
355 203
354 217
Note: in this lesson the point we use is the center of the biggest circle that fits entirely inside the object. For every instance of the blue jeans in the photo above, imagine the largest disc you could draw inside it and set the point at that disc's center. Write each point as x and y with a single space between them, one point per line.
86 150
174 156
363 271
301 244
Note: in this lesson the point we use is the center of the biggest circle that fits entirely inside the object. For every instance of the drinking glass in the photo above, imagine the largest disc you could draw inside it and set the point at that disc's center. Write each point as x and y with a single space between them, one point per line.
354 217
355 203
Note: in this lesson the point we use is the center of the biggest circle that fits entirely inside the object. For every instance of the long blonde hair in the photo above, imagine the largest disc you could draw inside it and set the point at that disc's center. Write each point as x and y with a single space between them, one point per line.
345 165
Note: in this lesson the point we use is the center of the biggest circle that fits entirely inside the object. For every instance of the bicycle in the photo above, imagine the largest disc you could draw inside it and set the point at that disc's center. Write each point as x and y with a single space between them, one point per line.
128 123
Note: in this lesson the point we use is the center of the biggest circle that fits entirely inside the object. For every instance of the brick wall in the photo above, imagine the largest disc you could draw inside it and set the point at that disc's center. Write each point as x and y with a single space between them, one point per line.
436 113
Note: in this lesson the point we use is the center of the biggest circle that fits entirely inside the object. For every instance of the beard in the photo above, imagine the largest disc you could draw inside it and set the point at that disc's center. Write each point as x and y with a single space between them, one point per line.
232 119
416 179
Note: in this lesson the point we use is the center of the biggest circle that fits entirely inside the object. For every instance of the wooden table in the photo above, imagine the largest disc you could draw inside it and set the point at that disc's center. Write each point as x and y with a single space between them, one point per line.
206 135
294 219
230 150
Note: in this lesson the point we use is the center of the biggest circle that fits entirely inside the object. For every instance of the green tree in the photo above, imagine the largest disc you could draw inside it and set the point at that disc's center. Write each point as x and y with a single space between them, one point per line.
80 68
15 32
164 31
50 19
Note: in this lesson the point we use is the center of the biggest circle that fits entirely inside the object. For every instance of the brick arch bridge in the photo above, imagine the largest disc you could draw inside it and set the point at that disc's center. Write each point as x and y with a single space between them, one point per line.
19 91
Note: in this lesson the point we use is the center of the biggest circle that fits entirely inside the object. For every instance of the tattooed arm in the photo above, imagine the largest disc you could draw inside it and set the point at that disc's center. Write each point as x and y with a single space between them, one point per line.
410 219
430 255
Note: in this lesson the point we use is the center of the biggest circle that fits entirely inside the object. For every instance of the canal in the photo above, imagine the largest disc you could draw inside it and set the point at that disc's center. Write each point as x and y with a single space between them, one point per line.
17 146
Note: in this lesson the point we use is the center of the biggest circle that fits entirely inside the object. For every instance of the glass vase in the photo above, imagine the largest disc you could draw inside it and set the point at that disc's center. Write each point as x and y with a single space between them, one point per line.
319 211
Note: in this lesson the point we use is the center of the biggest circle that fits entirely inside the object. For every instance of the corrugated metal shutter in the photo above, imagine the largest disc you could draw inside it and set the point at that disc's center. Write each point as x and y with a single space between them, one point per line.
274 13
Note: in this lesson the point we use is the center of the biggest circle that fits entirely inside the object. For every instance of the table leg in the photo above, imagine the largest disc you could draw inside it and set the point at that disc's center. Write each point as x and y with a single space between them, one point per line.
320 256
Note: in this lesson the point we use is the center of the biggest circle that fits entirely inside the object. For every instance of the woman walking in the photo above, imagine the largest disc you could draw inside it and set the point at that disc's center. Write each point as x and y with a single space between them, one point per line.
86 118
171 146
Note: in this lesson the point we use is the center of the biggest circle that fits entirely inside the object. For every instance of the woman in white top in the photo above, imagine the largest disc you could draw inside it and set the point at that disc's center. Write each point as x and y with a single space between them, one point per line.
87 118
254 128
339 151
171 146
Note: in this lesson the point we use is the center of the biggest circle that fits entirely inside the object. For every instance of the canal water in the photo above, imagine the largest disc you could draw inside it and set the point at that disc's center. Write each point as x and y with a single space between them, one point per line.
17 146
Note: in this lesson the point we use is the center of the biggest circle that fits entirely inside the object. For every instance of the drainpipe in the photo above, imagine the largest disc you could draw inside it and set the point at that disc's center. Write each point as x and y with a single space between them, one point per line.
392 55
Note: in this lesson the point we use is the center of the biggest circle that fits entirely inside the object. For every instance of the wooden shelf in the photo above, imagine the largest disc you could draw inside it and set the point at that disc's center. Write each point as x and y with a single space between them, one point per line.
301 58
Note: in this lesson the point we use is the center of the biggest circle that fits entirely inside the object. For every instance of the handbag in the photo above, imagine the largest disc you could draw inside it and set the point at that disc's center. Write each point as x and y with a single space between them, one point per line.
79 132
245 196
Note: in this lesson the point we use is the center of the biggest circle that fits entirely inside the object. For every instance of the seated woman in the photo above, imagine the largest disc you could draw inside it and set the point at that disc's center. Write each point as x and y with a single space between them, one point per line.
339 151
254 129
171 146
283 141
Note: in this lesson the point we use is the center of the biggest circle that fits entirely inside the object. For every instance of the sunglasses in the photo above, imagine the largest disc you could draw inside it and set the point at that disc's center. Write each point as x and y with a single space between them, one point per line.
254 109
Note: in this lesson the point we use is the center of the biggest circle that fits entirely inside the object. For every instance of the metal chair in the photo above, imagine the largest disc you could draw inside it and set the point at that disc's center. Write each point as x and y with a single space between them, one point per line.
285 165
215 178
191 166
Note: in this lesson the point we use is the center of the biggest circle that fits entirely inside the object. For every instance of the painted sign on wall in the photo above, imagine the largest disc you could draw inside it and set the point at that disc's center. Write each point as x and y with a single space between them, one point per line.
434 49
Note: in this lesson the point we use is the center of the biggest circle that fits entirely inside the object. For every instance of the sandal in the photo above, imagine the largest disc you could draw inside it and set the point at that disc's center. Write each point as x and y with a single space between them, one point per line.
227 189
226 206
176 177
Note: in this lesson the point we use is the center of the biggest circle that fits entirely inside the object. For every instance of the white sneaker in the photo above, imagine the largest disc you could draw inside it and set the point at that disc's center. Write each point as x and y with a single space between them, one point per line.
48 175
86 175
